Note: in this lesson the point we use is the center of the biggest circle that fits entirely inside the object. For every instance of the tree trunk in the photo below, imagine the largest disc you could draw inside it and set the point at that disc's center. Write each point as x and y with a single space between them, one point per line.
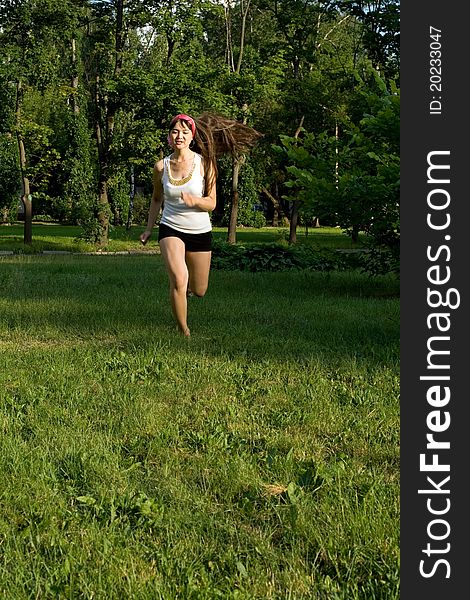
26 191
170 45
232 227
102 213
355 233
301 123
103 207
228 38
295 205
237 160
119 37
337 155
74 81
244 11
237 165
277 212
130 214
116 214
294 219
105 114
25 195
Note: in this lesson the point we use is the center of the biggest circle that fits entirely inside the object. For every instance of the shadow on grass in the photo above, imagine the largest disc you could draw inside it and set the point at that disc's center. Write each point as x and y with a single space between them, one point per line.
289 315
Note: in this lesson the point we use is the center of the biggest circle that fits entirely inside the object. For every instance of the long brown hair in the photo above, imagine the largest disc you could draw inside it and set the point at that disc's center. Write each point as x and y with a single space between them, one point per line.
216 135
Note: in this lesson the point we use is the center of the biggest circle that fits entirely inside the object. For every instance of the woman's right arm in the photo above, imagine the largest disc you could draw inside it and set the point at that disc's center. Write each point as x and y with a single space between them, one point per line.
156 202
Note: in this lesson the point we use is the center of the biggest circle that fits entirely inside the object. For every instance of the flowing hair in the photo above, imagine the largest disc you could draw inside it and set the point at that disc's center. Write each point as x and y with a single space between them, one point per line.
216 136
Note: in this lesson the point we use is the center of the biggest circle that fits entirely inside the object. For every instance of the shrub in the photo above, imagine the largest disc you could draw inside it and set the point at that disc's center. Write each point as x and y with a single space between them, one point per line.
381 259
44 219
141 209
259 220
278 257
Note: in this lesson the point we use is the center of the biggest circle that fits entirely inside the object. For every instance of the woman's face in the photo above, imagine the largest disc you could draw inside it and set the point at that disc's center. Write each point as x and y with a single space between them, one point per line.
180 135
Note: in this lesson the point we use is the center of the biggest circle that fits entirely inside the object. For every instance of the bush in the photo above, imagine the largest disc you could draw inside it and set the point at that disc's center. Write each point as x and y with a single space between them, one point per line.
277 257
141 209
9 214
247 215
381 259
44 219
259 220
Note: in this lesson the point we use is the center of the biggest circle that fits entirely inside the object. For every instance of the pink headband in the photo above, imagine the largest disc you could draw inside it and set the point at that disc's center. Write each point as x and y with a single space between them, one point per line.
187 118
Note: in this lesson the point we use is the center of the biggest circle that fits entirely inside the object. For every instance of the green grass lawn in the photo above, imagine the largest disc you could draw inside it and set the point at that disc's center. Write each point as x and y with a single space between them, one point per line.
257 460
52 237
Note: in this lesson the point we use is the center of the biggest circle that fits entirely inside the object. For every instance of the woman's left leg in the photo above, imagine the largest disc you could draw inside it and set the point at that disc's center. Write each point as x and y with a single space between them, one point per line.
199 264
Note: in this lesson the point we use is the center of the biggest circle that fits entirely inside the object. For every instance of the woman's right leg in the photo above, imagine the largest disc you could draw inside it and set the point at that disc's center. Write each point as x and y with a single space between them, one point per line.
173 252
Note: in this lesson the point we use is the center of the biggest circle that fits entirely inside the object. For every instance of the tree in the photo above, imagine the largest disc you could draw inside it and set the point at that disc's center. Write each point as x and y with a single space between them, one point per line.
237 161
363 194
380 35
106 39
31 38
98 81
29 33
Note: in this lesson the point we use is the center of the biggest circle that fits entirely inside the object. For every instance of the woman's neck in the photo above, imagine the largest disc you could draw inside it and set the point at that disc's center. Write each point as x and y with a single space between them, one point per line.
182 155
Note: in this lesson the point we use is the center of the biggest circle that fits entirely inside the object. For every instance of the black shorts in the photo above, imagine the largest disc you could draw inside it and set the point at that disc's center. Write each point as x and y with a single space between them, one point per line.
194 242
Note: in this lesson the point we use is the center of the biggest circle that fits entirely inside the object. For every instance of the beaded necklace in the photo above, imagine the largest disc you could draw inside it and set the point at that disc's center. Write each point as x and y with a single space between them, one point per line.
184 179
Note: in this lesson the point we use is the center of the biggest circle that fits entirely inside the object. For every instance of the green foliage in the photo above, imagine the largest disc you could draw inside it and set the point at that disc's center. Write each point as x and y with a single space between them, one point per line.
248 196
382 258
42 157
279 257
302 62
141 209
122 239
7 100
78 173
31 36
43 218
309 162
259 220
381 38
362 193
92 227
10 188
375 148
119 196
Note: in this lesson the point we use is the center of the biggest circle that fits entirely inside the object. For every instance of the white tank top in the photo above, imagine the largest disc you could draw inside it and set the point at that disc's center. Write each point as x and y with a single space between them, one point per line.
175 212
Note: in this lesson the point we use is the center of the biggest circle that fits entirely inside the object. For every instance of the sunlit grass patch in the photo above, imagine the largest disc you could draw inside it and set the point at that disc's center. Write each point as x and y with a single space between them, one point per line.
259 459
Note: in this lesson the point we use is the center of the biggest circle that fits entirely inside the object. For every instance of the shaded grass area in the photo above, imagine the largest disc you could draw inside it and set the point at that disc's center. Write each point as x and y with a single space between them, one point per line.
52 237
259 459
